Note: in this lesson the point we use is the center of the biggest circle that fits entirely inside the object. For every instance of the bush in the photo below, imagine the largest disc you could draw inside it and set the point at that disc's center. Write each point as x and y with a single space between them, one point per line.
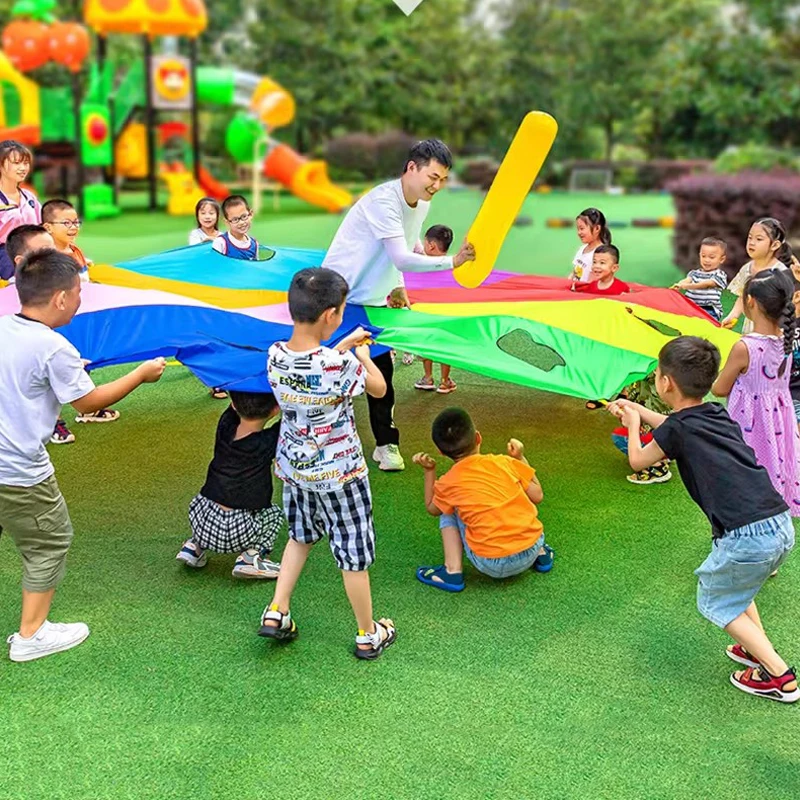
658 174
354 154
755 158
726 206
391 152
479 172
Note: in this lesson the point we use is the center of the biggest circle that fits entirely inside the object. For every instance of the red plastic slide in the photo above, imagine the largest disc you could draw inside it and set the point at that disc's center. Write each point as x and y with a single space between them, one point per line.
211 186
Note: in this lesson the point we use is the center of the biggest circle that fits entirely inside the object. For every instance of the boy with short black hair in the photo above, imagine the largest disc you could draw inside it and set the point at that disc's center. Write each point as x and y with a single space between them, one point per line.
235 242
60 219
704 286
750 522
233 512
25 239
486 506
603 280
320 459
40 371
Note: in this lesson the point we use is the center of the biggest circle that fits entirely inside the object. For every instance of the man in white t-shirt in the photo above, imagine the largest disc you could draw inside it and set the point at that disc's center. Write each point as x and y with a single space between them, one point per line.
39 372
376 243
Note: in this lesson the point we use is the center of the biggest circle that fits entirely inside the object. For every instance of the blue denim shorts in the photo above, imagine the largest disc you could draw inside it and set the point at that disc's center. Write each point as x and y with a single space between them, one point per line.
504 567
796 404
739 565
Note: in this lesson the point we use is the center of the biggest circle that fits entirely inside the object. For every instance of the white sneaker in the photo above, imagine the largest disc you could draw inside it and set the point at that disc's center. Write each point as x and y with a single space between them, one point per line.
52 637
247 566
388 458
192 555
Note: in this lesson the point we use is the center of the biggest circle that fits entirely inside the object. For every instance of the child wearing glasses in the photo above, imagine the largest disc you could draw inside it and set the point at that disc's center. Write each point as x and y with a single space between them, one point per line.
60 220
235 243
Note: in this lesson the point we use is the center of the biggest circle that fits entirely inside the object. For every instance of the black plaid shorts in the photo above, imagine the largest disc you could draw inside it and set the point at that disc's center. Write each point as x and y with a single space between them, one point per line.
233 530
344 516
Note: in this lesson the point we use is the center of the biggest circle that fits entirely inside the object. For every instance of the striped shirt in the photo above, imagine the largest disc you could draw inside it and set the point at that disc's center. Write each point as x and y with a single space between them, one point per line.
710 298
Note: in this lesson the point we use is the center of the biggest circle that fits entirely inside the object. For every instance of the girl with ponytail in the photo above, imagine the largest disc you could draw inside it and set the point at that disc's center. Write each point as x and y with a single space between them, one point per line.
592 231
768 249
756 379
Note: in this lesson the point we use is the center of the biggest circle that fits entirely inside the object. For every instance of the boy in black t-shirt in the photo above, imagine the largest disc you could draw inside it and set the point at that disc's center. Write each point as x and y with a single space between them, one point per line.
751 526
234 511
794 379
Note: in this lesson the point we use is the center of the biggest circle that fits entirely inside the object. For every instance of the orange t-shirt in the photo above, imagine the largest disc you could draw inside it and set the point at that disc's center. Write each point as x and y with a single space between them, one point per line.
78 255
488 492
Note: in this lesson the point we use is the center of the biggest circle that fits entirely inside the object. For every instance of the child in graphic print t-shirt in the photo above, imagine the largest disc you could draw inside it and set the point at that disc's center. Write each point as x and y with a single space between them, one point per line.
320 460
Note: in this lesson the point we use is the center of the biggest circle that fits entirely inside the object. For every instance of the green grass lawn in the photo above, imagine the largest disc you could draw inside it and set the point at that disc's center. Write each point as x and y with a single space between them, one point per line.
598 680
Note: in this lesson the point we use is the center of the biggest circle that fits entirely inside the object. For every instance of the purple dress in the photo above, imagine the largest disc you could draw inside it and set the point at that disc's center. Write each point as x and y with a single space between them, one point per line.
761 403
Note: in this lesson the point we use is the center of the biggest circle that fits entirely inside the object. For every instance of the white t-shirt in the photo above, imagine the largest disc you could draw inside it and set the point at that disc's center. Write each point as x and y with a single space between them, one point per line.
318 447
198 236
40 371
582 264
376 242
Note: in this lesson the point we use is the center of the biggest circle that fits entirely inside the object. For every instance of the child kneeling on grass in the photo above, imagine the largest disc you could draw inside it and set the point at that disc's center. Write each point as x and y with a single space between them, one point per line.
750 523
234 512
486 506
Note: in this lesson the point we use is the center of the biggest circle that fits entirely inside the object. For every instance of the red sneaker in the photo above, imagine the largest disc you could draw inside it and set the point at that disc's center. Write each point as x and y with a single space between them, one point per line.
737 653
757 681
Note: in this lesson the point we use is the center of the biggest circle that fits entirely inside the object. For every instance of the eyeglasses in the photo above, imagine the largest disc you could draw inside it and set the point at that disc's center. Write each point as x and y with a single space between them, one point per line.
237 220
68 223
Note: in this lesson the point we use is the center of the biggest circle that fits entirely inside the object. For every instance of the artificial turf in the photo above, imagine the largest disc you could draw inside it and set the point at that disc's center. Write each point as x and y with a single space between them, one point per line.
597 680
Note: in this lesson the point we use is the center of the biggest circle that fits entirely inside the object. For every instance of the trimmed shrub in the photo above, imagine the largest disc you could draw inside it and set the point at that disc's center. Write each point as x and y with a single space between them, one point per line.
726 206
391 150
479 172
354 155
755 158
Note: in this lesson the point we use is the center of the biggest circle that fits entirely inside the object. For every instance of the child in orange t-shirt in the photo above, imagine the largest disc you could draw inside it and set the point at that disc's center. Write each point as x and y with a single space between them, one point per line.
486 506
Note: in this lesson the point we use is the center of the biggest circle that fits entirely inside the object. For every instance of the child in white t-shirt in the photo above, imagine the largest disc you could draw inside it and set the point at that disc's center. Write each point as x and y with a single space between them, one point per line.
592 231
40 371
206 212
319 458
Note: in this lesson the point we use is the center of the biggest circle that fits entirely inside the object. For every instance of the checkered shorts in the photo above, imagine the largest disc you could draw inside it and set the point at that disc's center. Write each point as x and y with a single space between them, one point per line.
233 530
344 516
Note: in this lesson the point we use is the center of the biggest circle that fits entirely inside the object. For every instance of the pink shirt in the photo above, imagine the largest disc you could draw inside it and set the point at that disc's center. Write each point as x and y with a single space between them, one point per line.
28 212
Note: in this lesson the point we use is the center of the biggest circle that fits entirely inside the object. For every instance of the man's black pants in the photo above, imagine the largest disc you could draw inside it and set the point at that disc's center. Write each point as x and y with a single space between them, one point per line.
381 410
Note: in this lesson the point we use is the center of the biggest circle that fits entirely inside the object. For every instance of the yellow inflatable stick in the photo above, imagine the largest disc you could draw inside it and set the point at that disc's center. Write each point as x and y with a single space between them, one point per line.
511 185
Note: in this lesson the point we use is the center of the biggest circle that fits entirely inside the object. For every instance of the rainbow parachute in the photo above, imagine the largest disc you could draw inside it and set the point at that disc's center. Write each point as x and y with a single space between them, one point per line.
219 316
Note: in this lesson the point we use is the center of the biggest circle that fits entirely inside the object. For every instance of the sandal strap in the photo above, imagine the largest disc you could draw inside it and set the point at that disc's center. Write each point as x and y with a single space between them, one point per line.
376 640
274 614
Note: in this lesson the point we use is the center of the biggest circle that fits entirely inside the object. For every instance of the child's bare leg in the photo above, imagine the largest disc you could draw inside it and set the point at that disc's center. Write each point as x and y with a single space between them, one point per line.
453 550
356 584
427 366
445 373
752 637
35 608
292 563
752 612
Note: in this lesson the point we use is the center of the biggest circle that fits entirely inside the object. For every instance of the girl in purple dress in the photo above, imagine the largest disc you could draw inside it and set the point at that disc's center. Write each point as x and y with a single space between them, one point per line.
756 379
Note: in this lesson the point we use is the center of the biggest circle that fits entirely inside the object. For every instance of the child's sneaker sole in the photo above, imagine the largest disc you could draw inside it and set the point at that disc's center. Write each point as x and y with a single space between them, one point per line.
651 480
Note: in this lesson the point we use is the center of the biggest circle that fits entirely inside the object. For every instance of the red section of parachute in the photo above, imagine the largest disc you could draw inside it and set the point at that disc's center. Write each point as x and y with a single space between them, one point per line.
532 288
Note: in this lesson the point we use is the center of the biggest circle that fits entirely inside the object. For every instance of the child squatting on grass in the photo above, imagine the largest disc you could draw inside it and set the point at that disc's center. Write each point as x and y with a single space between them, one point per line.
750 523
486 506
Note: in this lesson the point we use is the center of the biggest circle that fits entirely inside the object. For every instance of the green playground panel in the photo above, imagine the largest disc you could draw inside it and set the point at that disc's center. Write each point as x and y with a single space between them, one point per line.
100 154
58 116
12 105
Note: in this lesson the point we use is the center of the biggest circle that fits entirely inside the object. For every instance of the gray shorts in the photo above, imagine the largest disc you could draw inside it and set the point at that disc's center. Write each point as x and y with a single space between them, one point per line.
37 520
739 565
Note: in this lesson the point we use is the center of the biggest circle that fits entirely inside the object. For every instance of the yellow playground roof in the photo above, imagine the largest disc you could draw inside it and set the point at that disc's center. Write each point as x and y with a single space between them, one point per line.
153 17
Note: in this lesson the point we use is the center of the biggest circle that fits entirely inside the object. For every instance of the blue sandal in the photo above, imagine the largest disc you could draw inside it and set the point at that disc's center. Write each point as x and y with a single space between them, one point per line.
544 563
447 582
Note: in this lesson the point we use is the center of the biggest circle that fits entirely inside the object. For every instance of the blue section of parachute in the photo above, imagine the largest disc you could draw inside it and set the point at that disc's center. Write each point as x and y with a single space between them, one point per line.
204 265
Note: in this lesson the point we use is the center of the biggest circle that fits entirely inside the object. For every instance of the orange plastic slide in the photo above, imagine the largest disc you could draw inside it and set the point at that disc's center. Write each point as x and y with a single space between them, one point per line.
306 179
211 186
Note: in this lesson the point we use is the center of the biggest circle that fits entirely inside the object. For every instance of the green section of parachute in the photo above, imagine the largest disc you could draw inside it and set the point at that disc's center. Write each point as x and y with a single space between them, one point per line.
516 350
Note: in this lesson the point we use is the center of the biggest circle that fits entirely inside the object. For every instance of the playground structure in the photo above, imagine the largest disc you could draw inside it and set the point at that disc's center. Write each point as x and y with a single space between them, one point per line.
132 124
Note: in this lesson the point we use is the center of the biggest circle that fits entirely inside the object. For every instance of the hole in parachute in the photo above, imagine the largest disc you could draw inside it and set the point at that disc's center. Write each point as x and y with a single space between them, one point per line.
659 327
520 344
